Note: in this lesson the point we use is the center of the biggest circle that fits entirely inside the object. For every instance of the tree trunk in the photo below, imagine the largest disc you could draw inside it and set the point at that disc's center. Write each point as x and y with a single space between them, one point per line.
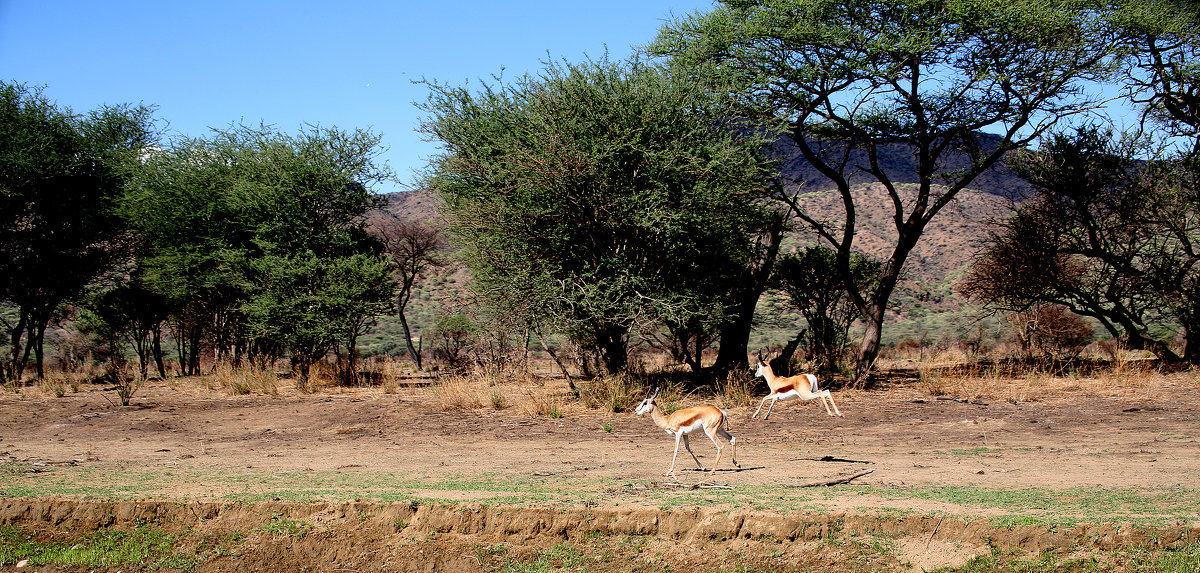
876 306
735 342
17 365
868 350
1189 319
158 352
1137 341
412 350
1191 347
39 349
735 334
612 342
25 354
782 365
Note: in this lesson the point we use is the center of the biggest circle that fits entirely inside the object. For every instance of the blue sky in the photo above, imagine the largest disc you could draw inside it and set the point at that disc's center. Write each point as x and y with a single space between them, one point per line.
348 64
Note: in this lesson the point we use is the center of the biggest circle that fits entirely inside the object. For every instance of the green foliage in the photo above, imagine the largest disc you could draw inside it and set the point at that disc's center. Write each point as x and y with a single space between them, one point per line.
256 238
596 197
1184 560
561 557
450 336
1108 235
1160 42
813 284
283 527
145 547
60 174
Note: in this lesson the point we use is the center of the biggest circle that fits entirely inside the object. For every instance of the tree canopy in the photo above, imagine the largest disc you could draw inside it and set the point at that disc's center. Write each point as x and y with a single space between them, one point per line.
1112 231
257 240
596 198
60 176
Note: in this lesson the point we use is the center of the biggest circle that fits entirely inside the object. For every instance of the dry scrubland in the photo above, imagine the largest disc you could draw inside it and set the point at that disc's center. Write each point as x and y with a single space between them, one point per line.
961 468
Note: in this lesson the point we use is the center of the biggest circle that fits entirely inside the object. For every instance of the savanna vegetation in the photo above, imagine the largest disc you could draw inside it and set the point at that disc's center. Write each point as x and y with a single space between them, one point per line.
598 210
762 176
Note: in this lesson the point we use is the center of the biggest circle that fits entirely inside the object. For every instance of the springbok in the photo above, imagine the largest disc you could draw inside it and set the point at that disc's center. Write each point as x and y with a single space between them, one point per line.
802 386
682 423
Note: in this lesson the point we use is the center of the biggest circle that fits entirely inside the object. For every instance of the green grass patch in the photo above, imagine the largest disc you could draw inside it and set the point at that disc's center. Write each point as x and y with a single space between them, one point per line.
1061 507
561 557
1185 560
145 548
284 527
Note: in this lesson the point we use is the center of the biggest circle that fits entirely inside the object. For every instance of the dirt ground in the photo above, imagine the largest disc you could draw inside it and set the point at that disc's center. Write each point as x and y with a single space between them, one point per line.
1069 435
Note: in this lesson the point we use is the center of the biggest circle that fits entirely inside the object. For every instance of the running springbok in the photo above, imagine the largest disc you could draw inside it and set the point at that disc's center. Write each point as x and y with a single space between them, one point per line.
802 386
681 423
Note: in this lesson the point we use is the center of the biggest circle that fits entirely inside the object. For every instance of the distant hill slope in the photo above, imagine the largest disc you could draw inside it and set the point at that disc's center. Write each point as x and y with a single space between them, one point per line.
898 162
418 205
949 241
925 305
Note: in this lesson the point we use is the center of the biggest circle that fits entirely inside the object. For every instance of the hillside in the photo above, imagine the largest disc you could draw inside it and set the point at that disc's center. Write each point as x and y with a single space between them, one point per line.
925 306
898 162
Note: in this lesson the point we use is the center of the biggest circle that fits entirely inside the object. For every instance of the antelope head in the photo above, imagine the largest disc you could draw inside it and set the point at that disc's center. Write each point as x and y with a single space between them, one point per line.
647 404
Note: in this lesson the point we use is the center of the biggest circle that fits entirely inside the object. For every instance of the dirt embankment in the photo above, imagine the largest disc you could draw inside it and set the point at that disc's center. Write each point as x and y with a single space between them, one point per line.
366 536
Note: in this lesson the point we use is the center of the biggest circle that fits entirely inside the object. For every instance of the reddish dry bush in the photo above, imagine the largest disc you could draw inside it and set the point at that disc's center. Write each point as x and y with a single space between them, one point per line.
1050 331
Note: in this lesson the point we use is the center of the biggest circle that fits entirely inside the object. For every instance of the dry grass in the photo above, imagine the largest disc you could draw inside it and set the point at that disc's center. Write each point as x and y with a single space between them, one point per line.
736 390
525 395
1129 380
616 393
948 373
242 380
541 402
391 373
58 383
460 392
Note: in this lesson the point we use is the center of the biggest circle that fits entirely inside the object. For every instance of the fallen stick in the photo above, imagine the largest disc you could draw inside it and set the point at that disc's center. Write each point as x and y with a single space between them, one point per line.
836 480
701 485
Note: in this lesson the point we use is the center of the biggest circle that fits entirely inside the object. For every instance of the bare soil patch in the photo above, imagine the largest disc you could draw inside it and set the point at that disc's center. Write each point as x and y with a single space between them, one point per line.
227 462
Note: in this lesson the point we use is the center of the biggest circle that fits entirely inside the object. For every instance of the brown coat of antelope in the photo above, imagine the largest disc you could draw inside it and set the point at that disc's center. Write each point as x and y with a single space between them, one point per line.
802 386
710 419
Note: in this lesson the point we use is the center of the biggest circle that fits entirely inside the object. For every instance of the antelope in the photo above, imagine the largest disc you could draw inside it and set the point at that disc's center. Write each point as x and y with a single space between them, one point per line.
682 423
803 386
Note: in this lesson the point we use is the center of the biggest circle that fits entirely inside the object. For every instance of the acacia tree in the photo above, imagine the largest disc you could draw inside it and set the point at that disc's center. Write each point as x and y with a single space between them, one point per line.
850 78
1108 236
195 247
1161 41
129 311
595 198
1112 233
1163 61
257 237
412 247
60 175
